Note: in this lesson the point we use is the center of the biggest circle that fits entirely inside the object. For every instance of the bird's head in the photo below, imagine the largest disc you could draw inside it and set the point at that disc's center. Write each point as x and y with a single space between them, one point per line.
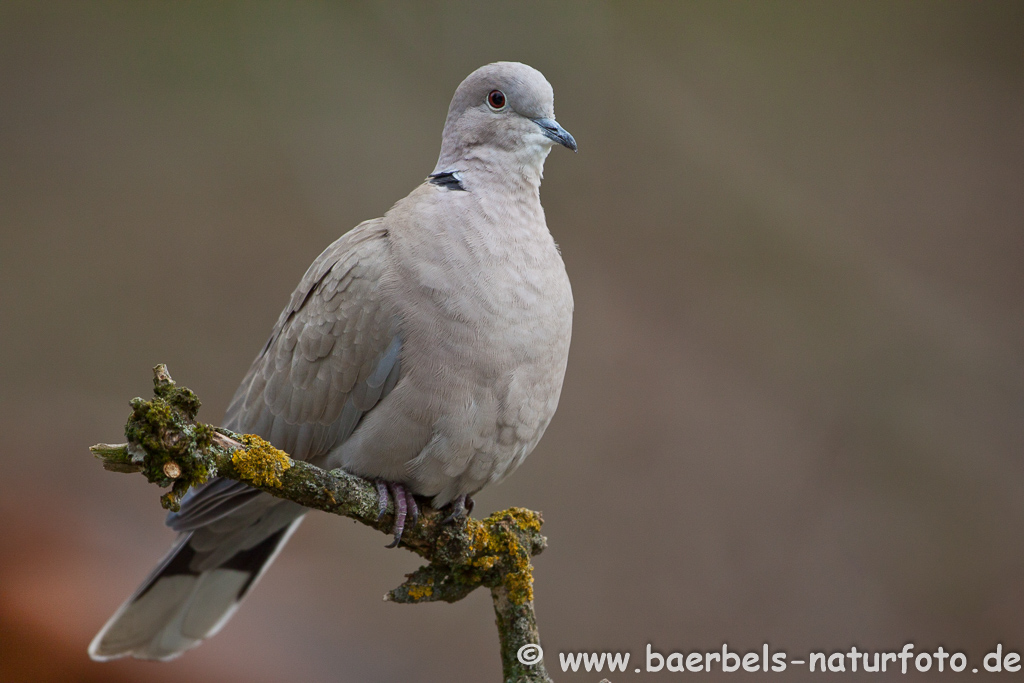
502 115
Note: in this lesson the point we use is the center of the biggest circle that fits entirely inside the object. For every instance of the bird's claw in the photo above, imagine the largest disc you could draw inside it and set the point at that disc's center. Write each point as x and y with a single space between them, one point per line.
382 499
461 507
405 507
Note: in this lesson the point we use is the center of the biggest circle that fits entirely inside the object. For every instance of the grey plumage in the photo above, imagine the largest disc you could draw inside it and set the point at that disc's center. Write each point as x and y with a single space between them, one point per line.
425 348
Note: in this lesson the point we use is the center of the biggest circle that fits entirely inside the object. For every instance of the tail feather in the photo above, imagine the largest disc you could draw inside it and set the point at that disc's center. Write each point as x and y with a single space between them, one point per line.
179 606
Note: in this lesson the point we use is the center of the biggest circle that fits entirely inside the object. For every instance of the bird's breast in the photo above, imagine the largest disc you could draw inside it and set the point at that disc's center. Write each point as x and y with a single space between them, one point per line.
484 311
502 297
484 296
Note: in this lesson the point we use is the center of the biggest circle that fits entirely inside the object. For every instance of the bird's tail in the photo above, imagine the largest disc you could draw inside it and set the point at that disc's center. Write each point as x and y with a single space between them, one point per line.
180 605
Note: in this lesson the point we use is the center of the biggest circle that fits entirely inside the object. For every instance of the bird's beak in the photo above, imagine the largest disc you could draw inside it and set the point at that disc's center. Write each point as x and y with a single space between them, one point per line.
556 132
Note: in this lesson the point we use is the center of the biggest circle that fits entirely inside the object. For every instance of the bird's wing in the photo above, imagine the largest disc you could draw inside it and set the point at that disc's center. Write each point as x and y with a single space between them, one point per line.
333 355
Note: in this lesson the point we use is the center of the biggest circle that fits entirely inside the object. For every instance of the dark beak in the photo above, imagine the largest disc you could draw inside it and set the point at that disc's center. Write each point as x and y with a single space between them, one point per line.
556 132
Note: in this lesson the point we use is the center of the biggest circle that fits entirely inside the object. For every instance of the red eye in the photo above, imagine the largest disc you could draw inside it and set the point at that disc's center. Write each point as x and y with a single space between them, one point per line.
496 99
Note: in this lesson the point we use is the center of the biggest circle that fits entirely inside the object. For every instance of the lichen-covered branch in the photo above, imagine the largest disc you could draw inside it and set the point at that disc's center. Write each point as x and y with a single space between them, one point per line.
171 449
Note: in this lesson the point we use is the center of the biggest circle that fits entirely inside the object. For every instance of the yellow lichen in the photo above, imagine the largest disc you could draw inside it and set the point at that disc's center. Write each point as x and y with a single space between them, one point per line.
486 562
520 585
418 593
519 580
525 519
492 540
482 539
260 463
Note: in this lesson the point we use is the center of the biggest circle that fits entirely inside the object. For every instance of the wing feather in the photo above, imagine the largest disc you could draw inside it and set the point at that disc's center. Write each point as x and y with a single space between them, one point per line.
333 355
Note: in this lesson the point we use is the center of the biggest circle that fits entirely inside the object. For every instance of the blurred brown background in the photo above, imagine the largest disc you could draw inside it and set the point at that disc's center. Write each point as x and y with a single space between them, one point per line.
794 410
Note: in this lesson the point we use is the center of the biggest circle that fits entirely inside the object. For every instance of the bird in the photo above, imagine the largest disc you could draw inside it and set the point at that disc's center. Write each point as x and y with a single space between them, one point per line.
424 351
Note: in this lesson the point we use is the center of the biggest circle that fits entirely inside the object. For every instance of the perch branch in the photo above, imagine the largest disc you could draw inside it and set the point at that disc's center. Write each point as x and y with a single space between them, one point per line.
171 449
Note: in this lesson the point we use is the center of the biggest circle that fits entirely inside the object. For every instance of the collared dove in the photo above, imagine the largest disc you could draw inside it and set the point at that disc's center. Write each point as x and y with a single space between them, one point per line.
424 351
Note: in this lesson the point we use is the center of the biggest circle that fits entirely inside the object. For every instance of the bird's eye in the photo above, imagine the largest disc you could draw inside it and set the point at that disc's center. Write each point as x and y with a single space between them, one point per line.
496 100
